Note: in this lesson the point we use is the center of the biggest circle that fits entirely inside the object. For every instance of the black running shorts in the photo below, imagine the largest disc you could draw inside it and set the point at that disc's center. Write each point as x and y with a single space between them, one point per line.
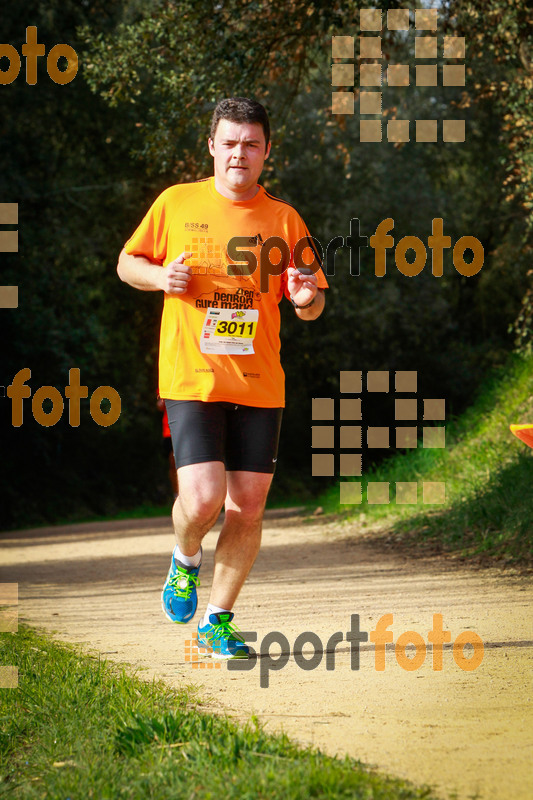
242 437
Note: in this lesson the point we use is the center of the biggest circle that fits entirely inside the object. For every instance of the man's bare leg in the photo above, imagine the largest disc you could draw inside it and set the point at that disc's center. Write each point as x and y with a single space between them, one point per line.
203 488
202 491
240 537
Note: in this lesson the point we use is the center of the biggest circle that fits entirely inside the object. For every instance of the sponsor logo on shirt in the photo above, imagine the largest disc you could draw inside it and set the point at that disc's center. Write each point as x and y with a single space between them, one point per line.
197 226
241 298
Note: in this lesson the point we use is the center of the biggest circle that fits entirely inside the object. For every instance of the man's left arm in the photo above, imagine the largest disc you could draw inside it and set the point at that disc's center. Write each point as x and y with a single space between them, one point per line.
308 300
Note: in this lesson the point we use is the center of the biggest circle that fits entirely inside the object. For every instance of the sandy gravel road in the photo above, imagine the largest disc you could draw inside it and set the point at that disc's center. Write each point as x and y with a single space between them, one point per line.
468 732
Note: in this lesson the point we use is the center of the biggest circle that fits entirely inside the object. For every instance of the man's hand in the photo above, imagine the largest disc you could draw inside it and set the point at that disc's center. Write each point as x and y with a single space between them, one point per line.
303 289
175 276
141 273
302 285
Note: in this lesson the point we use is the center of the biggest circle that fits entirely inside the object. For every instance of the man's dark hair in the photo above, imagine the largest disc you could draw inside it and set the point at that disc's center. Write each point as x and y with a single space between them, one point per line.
240 109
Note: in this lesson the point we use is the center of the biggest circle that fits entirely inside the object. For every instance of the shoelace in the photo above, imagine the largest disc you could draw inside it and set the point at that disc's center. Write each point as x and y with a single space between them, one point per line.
225 630
182 582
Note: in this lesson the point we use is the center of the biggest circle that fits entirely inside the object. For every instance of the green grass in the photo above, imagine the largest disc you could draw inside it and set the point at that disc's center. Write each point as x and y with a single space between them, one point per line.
488 474
78 727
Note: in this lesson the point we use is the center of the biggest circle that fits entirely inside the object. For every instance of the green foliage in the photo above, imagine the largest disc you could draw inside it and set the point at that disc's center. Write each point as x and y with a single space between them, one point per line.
174 61
500 58
65 160
78 727
85 160
523 325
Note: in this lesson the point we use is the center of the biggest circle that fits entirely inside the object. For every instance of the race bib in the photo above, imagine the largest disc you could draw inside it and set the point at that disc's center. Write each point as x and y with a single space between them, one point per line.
229 331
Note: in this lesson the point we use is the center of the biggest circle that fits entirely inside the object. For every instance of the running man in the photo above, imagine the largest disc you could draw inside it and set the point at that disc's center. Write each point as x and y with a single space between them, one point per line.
219 361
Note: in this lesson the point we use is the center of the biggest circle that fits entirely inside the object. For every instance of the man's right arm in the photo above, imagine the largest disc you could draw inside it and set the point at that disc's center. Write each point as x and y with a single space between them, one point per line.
141 273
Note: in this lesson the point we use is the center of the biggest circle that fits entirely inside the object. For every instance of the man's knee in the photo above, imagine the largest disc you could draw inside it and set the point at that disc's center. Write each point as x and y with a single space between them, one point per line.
200 508
202 492
248 498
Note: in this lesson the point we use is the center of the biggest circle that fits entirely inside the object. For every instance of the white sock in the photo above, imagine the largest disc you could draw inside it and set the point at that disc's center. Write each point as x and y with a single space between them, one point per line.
188 561
211 609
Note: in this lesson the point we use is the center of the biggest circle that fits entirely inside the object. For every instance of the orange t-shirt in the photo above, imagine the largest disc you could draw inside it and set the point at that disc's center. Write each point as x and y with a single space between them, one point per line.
220 340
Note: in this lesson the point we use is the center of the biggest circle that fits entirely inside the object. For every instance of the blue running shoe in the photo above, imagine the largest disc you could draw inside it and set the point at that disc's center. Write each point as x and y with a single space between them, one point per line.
221 638
179 598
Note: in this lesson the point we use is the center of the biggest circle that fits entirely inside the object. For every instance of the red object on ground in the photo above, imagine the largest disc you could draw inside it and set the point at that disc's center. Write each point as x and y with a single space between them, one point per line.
524 432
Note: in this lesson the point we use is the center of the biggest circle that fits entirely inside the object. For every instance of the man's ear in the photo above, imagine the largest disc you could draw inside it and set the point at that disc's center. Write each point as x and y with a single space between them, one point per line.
267 152
211 146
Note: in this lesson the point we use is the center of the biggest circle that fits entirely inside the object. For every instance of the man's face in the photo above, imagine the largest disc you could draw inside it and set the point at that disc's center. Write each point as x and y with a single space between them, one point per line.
239 153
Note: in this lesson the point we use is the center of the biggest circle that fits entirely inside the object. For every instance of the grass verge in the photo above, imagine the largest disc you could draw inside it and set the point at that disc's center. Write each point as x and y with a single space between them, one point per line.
487 471
77 727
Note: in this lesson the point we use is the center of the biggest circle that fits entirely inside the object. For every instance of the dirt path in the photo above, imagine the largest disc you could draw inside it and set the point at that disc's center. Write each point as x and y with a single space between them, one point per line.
469 732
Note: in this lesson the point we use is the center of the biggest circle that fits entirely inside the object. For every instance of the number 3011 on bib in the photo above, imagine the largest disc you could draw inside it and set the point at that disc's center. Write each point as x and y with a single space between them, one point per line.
229 331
